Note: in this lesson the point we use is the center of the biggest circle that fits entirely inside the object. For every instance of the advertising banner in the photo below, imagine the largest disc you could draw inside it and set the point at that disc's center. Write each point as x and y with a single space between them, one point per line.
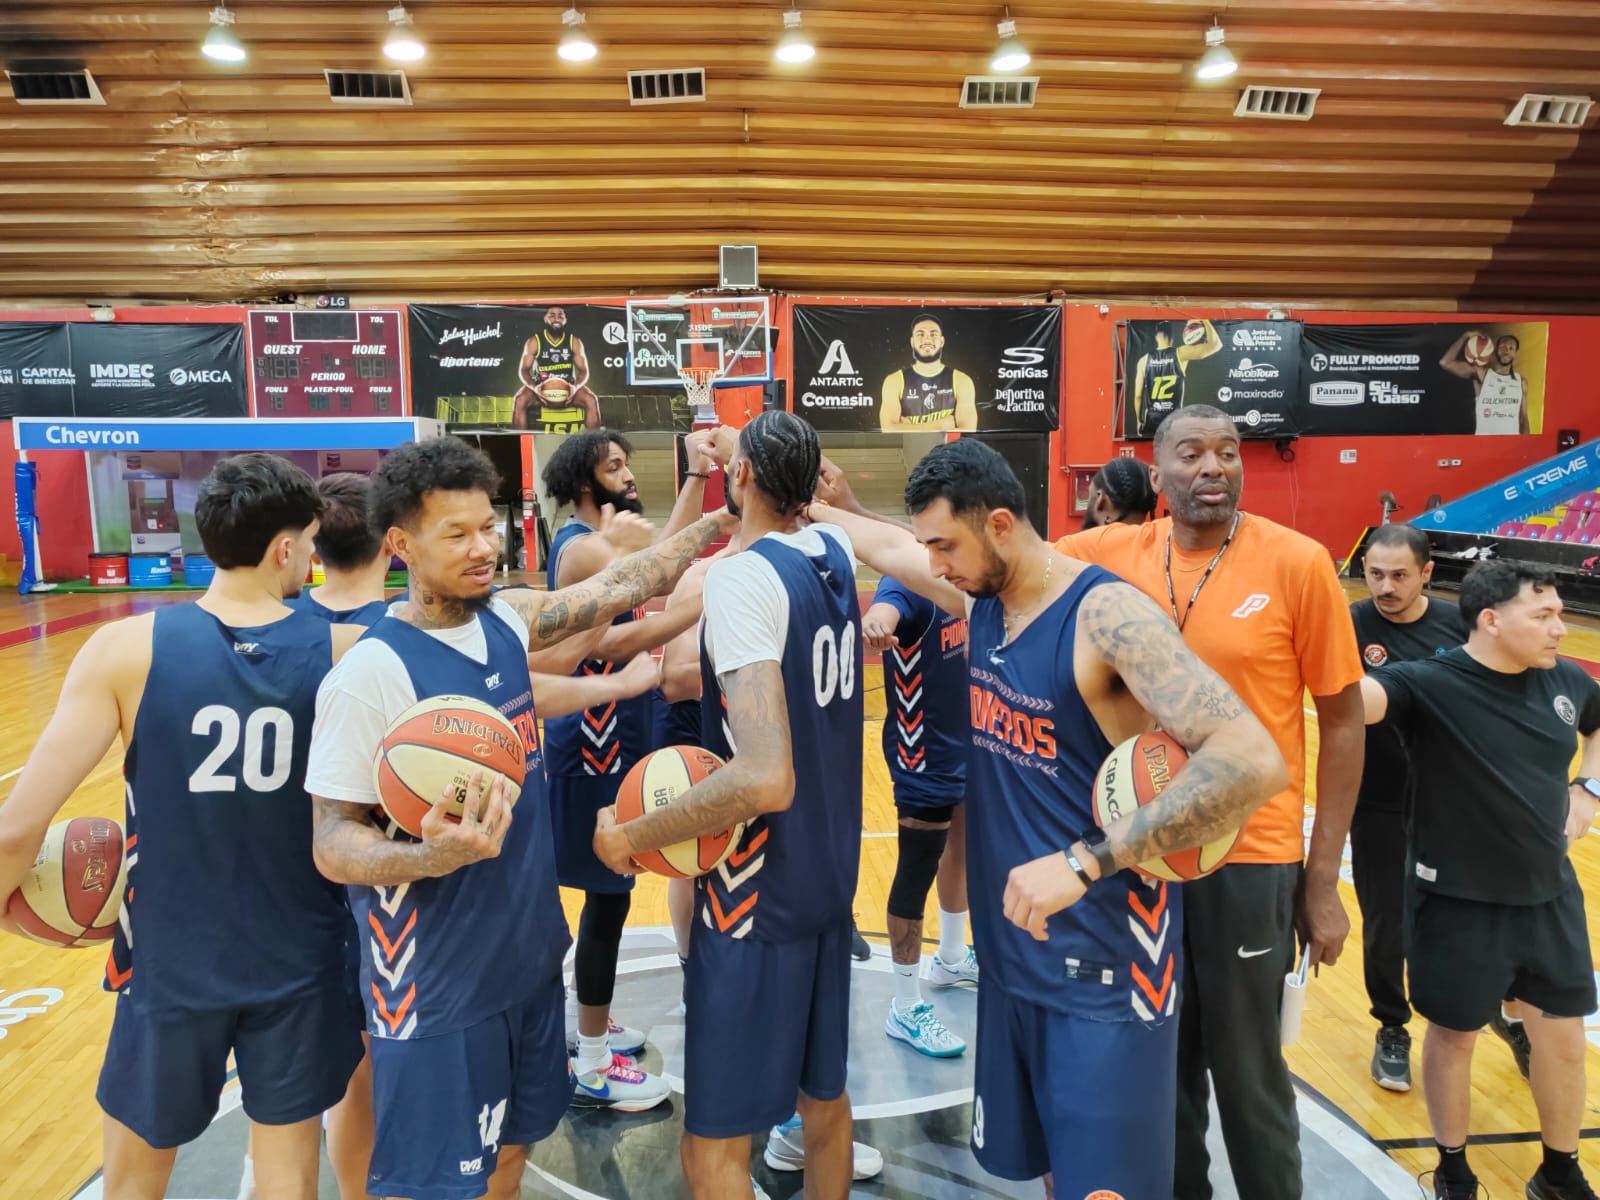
35 370
1249 369
902 369
554 368
158 370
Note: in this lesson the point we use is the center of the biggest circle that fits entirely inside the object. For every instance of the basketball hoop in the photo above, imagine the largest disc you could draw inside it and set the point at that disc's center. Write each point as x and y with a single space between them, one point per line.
698 383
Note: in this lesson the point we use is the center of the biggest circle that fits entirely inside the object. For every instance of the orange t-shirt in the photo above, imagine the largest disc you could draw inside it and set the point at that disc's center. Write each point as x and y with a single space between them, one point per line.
1272 620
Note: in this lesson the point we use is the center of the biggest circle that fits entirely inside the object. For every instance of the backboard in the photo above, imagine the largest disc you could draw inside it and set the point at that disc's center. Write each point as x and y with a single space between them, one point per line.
729 334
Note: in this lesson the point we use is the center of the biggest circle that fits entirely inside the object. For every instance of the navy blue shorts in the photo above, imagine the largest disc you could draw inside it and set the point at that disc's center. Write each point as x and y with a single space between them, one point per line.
925 808
447 1105
575 801
1092 1102
781 1011
164 1071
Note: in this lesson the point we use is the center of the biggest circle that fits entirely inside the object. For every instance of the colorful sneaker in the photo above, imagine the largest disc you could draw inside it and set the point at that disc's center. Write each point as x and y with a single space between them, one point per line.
1391 1060
623 1040
859 950
786 1151
923 1031
622 1087
941 974
1514 1035
1540 1188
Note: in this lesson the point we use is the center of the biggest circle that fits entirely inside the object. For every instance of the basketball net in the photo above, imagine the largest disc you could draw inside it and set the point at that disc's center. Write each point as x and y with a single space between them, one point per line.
698 383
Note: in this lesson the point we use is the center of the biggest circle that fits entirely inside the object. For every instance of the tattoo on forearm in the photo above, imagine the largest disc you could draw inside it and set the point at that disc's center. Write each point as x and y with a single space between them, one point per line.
357 851
1205 801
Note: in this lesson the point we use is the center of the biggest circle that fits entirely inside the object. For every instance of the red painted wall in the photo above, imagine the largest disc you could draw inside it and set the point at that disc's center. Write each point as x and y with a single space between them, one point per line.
65 537
1316 494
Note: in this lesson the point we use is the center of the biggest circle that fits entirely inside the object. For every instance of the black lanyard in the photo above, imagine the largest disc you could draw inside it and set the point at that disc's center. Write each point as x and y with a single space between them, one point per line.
1172 597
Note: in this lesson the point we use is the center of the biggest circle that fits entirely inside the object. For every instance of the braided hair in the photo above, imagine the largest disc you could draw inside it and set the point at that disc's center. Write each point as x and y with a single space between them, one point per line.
1126 483
784 457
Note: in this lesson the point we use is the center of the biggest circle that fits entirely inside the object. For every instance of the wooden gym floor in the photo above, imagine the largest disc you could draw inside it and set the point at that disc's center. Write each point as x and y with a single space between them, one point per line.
54 1017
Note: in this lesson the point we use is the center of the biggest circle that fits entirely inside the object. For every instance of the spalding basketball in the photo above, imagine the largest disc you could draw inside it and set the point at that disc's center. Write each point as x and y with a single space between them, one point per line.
1479 349
72 895
555 392
1135 774
1194 333
655 782
436 745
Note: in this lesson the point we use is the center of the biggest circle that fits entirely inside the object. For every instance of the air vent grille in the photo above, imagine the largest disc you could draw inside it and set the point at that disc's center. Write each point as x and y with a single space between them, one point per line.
686 86
1278 104
999 91
54 87
1551 112
368 87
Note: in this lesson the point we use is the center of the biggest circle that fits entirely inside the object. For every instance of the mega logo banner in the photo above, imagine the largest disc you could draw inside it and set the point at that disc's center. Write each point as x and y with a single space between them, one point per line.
1249 369
555 368
901 369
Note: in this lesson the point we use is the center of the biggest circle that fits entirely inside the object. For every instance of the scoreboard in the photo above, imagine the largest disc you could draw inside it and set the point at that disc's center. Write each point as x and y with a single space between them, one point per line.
326 363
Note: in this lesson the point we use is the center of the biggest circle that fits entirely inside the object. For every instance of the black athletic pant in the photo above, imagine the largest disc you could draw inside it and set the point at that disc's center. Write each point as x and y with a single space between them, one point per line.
1378 862
1239 943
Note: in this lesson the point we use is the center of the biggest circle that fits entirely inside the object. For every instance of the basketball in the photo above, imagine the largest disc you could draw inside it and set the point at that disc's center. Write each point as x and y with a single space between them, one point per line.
1194 333
436 744
656 781
1479 349
556 392
72 895
1135 774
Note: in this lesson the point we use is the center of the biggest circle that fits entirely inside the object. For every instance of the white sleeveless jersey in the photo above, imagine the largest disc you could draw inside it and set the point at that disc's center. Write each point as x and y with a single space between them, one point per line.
1499 403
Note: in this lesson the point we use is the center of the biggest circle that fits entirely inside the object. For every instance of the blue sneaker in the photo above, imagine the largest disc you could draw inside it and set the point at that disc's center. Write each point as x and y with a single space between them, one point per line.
923 1032
622 1087
941 974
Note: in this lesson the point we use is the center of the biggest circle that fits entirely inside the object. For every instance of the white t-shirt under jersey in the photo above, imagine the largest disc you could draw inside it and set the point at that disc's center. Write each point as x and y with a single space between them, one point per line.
366 691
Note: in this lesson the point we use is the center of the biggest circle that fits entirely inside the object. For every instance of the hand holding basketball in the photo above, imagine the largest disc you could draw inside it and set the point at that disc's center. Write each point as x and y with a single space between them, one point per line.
611 844
481 831
627 532
1037 890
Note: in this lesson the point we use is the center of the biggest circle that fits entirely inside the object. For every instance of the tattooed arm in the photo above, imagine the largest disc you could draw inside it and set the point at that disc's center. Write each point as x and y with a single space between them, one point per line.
758 779
349 848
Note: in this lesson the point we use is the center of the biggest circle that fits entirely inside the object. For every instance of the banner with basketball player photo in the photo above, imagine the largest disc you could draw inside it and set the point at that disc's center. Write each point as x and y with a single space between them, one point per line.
903 369
1483 377
555 368
1249 369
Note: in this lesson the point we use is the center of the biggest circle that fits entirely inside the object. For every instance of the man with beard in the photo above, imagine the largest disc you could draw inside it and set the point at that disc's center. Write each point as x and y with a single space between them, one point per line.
590 751
1500 395
555 374
928 396
1262 605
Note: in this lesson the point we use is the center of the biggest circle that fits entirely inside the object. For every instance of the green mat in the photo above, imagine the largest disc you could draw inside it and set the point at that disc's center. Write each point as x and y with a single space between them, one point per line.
395 582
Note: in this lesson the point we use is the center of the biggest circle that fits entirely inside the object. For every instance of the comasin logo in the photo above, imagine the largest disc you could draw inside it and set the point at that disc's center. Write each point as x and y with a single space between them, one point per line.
1336 393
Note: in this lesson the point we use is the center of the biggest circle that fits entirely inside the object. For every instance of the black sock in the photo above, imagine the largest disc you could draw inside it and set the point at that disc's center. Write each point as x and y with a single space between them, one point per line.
1453 1164
1560 1166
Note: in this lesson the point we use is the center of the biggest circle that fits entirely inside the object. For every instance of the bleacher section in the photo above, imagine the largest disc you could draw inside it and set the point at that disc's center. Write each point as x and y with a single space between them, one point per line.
1578 520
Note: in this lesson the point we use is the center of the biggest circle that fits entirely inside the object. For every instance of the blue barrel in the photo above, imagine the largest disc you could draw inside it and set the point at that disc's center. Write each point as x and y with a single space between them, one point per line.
149 570
198 570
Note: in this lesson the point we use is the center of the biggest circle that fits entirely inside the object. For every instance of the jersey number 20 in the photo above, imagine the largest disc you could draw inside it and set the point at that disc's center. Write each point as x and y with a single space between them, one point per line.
833 664
253 763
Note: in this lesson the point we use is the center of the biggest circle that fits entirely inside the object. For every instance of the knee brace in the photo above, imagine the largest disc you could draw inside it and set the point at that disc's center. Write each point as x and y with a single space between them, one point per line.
594 962
914 873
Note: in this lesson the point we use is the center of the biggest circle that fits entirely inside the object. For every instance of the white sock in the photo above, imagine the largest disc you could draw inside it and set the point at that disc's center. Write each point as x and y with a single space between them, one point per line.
247 1184
594 1054
1508 1018
952 938
907 991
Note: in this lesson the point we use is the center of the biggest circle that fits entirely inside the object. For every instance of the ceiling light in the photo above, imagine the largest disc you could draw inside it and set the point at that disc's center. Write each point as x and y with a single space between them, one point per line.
1218 61
576 45
794 46
403 45
221 45
1010 54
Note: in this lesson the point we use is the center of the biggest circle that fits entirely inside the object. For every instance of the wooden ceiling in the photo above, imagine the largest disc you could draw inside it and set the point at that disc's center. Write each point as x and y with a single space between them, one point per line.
515 174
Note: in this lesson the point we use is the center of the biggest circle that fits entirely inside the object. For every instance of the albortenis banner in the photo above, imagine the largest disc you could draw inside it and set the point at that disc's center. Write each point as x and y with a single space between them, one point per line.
901 369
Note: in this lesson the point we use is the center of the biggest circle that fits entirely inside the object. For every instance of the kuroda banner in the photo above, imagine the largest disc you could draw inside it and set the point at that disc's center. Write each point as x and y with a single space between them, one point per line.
903 369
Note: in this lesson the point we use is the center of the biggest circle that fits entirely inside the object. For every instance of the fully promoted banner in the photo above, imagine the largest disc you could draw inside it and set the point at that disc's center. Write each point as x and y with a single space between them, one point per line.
896 368
1249 369
556 368
64 370
1485 378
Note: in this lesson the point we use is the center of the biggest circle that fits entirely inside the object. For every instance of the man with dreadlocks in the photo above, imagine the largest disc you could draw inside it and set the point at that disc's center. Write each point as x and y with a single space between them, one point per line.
768 980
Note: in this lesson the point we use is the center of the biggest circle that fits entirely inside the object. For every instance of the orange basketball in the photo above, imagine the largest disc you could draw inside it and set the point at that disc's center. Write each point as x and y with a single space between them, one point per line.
437 744
1135 774
656 781
74 892
1479 349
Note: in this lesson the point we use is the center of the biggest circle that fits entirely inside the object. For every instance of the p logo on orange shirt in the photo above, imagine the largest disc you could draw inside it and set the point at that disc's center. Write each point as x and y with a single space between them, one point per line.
1253 603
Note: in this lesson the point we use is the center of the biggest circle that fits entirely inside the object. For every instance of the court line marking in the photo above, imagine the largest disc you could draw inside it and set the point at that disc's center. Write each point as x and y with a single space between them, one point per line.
10 775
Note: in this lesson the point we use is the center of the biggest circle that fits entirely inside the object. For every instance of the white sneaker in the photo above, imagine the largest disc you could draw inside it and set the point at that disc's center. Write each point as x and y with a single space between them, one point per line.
941 974
786 1151
623 1040
923 1032
622 1087
761 1192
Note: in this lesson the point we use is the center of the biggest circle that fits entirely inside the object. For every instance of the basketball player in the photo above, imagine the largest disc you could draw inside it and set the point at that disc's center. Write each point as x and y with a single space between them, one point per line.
1077 1039
1158 380
230 941
1262 605
355 562
1495 903
1120 493
768 983
928 395
555 380
465 934
1500 395
1398 623
590 751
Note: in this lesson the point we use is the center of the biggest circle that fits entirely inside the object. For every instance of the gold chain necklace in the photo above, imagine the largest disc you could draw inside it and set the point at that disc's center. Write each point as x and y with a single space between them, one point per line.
1010 619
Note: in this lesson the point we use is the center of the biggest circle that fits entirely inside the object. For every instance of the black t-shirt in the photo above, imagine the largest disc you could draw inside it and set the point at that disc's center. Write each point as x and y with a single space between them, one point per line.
1386 781
1492 752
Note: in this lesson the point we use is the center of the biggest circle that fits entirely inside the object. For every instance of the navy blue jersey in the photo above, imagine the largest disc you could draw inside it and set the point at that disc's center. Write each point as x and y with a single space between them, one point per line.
678 723
366 614
224 906
1036 750
597 741
442 954
793 874
925 701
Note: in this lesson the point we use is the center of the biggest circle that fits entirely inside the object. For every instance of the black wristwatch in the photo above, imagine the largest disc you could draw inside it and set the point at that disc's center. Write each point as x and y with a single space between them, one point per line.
1592 786
1095 839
